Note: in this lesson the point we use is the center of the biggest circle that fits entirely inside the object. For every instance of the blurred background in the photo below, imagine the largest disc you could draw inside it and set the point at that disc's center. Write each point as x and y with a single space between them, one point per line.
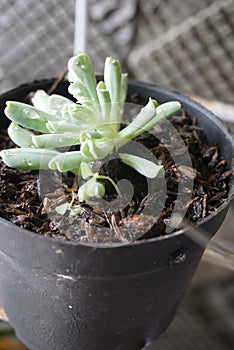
181 44
185 45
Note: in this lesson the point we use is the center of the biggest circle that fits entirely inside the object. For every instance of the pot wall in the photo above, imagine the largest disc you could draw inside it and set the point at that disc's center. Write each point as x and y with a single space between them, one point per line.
119 305
60 295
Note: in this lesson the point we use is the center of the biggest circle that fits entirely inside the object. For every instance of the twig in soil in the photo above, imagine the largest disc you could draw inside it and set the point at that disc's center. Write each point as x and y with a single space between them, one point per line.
60 78
117 230
192 201
204 206
142 204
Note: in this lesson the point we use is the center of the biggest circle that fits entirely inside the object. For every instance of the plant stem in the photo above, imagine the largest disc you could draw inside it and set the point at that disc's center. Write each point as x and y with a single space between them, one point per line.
102 177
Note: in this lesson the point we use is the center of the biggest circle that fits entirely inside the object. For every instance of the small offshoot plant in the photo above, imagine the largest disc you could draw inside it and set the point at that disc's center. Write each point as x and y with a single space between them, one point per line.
92 124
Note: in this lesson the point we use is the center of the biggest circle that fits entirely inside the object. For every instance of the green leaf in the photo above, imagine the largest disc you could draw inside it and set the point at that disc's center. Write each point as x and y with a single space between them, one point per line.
142 166
20 136
104 100
78 119
61 127
26 116
138 125
148 118
40 100
50 104
108 178
86 170
28 158
112 78
91 188
56 102
123 94
81 93
163 112
75 210
68 161
85 117
61 209
96 149
56 140
80 68
124 87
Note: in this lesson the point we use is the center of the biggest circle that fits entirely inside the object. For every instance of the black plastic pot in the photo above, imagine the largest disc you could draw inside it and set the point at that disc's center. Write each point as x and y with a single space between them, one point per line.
61 295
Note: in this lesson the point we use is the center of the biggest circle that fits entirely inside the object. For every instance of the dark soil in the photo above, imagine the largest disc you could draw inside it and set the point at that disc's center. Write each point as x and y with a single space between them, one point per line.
21 204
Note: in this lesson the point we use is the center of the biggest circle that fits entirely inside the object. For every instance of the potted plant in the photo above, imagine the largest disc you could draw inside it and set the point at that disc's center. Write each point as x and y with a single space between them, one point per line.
115 287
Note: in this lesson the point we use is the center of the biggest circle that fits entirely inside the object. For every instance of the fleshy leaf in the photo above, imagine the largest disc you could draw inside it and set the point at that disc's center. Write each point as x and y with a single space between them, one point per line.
96 149
143 166
81 93
112 78
61 127
26 116
61 209
80 68
85 117
91 188
148 118
20 136
124 87
86 170
123 94
28 158
137 126
56 140
163 112
50 104
68 161
104 100
75 210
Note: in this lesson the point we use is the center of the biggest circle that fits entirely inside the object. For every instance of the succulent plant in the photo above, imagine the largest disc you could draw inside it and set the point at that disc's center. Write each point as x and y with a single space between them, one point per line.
93 124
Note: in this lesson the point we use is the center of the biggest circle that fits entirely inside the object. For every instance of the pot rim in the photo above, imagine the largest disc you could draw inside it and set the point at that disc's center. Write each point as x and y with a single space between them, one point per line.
182 98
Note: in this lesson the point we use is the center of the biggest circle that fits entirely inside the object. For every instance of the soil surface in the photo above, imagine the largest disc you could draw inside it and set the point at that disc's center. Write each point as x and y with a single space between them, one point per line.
25 203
